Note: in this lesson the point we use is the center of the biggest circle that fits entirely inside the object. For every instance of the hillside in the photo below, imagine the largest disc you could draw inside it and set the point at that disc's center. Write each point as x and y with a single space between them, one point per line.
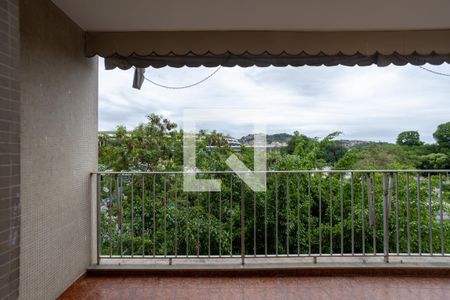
282 138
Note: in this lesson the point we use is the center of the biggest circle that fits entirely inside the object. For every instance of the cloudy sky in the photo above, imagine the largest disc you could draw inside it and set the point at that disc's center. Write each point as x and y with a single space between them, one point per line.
366 103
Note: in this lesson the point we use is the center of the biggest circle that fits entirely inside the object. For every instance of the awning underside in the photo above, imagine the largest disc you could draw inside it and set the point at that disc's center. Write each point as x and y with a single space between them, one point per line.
176 49
265 60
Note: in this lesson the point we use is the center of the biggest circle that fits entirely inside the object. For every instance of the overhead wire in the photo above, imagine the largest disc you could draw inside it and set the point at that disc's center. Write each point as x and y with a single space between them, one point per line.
182 86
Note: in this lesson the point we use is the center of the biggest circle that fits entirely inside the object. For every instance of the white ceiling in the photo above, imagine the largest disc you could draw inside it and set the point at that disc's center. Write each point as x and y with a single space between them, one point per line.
301 15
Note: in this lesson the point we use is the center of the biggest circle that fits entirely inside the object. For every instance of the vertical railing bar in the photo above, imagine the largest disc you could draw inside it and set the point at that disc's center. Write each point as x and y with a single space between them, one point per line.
320 213
119 196
370 207
231 215
373 197
110 213
388 204
265 223
430 210
132 215
254 223
143 214
363 230
276 214
309 214
397 237
441 215
154 215
341 200
209 223
220 223
298 215
99 235
242 224
188 227
408 234
386 187
197 213
352 200
176 215
330 175
419 233
287 214
165 215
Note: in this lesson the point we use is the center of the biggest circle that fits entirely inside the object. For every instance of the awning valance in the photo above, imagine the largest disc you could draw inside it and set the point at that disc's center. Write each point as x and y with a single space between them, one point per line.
264 48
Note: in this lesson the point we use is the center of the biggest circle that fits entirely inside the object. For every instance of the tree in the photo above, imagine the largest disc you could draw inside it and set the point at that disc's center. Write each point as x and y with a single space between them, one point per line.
315 152
331 151
153 146
296 139
174 221
377 157
409 138
435 161
442 135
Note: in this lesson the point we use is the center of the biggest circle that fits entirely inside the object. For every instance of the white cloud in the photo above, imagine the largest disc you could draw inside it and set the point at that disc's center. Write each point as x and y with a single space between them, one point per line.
368 103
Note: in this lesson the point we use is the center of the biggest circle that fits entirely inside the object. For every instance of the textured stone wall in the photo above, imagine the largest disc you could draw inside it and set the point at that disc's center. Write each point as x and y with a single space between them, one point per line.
9 149
59 91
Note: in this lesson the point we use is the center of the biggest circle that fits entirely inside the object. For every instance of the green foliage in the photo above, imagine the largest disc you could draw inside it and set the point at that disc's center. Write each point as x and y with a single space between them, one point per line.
154 146
377 157
409 138
435 161
442 135
151 215
316 152
296 140
349 160
331 151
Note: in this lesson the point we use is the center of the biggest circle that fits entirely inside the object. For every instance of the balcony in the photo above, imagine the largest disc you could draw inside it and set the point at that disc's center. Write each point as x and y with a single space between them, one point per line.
389 228
145 218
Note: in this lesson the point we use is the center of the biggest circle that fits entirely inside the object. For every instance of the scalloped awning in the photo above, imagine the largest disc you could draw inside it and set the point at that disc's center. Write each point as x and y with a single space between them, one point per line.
265 48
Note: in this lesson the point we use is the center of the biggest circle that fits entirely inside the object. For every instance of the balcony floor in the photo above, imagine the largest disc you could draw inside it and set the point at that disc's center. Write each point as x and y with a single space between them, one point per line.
323 287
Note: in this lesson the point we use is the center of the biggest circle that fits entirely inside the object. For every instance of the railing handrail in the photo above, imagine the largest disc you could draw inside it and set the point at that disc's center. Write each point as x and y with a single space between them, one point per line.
274 171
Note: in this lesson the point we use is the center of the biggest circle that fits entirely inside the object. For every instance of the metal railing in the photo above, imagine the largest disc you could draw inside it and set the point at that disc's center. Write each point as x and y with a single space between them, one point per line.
302 213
